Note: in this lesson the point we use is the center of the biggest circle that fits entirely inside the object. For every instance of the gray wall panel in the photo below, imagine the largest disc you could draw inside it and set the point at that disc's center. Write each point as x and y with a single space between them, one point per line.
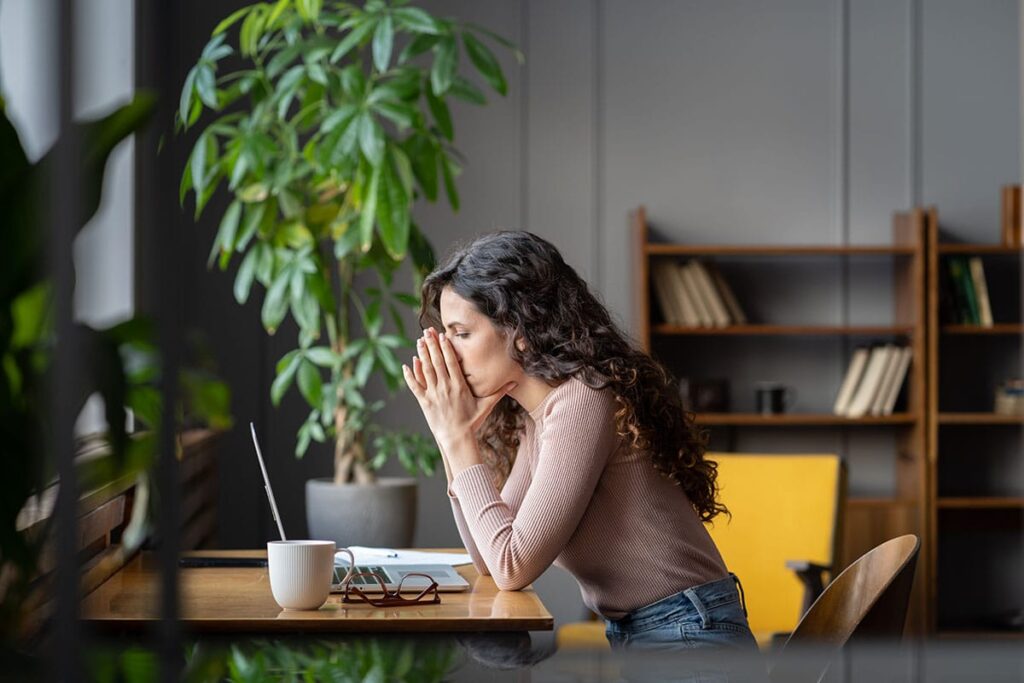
970 112
559 162
879 172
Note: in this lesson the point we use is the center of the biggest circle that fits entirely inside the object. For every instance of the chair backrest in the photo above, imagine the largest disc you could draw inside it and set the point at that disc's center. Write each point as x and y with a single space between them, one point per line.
867 600
783 507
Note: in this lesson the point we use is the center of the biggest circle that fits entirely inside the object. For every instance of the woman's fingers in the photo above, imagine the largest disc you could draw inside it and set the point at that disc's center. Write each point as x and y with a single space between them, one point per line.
411 382
451 360
434 353
417 371
426 365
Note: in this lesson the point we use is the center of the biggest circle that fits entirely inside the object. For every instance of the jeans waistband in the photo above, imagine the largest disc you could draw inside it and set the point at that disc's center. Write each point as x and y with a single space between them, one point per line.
697 599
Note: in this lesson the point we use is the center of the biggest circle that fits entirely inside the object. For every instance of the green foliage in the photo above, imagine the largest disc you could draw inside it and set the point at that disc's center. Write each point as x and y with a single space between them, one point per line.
26 337
355 660
324 138
119 362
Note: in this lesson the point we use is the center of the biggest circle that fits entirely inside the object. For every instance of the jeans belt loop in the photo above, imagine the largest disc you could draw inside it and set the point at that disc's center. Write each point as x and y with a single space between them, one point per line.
699 606
739 587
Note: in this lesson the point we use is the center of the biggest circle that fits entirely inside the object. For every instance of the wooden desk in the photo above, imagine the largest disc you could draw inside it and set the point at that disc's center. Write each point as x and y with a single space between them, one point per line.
238 599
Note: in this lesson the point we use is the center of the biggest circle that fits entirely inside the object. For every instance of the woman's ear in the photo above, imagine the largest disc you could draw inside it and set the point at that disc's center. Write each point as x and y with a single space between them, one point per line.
520 343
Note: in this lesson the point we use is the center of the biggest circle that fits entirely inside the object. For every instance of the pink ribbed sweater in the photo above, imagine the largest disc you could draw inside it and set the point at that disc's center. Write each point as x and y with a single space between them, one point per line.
579 498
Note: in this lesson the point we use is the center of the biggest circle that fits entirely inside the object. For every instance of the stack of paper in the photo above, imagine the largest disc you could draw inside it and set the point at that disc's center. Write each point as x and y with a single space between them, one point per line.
384 556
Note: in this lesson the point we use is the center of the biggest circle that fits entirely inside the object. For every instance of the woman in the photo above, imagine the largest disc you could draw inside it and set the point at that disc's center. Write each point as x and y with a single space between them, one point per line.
565 444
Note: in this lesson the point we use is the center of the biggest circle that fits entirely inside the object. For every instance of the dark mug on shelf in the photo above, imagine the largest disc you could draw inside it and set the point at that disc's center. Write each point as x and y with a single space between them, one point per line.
773 398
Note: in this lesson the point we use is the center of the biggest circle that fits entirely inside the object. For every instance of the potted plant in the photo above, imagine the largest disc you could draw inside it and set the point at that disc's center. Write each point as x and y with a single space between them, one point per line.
324 138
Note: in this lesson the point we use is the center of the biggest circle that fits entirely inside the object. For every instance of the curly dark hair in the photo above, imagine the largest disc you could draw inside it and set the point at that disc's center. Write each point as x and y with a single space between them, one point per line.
522 284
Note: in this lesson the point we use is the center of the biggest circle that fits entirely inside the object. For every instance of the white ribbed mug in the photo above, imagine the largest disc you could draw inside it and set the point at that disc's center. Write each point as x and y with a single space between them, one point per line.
300 572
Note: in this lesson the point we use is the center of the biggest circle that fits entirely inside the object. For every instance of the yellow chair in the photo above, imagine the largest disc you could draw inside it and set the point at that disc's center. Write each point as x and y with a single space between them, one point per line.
782 539
784 534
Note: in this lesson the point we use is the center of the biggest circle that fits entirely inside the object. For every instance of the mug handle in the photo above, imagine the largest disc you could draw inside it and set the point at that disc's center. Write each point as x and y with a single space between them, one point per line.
789 398
351 564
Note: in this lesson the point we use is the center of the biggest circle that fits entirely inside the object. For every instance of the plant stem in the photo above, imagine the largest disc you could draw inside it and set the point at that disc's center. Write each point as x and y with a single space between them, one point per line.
349 451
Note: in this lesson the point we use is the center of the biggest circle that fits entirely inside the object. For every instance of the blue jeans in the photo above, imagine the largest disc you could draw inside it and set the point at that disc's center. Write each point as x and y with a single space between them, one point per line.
710 619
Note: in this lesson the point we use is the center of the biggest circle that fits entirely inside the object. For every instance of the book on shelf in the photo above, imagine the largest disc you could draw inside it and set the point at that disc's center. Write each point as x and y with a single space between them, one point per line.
949 300
728 296
693 289
853 373
887 377
981 291
895 381
694 294
664 292
964 291
687 305
715 304
870 381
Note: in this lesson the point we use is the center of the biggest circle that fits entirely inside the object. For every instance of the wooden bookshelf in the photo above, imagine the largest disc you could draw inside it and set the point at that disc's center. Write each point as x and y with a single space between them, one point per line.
1000 328
978 249
979 419
982 519
786 330
868 521
660 249
801 420
980 502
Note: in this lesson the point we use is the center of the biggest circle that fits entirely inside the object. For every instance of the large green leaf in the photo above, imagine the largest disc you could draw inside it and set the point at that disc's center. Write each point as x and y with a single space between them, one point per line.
310 383
354 38
441 114
284 379
369 212
371 138
393 212
231 19
483 59
415 19
442 72
383 39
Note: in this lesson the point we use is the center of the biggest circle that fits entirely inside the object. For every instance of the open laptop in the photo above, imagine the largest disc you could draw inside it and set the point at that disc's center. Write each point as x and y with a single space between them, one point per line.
447 578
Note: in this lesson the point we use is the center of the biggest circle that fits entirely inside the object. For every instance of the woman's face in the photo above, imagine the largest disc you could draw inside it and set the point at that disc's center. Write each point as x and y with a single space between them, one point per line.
481 347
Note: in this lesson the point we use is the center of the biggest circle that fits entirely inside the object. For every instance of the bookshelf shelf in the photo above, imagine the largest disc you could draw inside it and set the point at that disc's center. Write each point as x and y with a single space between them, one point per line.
979 419
966 358
800 420
657 249
980 502
995 249
884 503
671 280
998 328
785 330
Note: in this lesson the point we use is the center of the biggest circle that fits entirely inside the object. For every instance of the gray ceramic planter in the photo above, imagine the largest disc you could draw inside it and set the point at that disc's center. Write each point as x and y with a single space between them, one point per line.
378 514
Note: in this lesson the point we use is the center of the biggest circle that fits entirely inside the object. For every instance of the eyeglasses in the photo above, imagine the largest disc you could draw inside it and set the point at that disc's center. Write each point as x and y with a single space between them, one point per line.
428 596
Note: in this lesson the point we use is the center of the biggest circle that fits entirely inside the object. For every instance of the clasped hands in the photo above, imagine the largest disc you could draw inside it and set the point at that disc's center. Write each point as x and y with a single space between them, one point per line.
452 412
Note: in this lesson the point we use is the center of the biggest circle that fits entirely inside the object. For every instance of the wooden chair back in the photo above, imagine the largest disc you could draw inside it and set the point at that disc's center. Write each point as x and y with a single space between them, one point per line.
868 600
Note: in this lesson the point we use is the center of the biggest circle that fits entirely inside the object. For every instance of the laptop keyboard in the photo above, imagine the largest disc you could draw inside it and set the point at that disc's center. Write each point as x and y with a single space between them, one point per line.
366 580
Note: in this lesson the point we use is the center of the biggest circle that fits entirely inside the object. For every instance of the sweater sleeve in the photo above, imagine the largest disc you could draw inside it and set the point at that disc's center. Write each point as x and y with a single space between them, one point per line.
574 444
512 493
467 537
